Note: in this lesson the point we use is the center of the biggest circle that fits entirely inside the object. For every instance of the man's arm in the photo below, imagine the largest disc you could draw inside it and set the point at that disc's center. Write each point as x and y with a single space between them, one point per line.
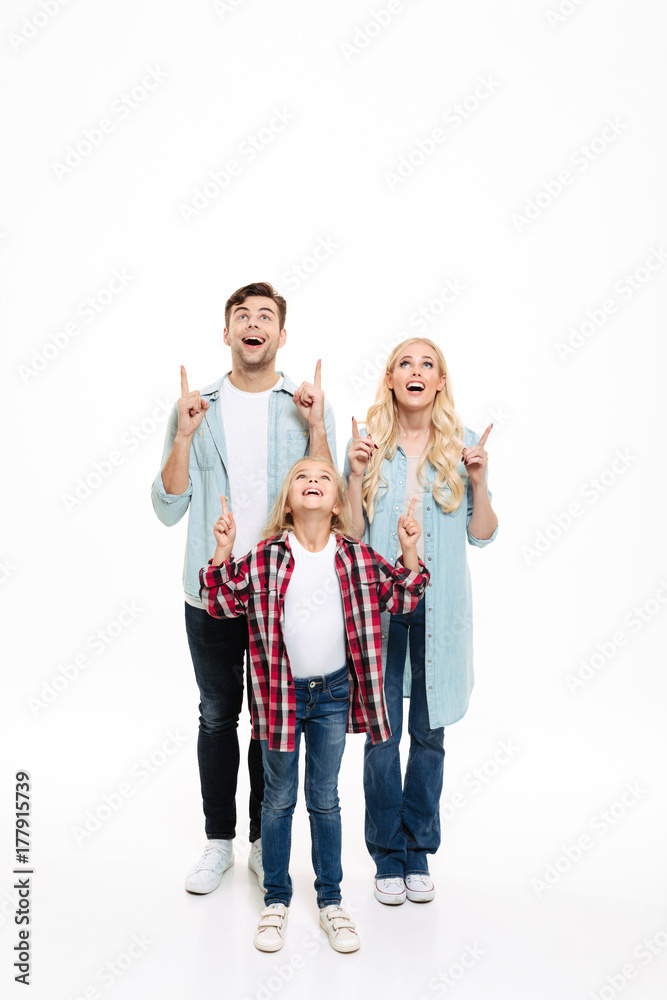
191 410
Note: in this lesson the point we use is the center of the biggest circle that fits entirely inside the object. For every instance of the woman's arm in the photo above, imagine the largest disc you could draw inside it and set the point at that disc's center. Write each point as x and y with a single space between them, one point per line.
483 521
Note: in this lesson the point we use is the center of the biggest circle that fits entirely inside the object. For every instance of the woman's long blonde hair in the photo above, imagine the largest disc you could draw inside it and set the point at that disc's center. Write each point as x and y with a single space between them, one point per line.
280 520
444 446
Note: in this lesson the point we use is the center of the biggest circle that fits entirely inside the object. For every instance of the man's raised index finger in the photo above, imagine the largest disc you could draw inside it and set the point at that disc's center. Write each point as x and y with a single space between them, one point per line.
184 382
482 440
317 381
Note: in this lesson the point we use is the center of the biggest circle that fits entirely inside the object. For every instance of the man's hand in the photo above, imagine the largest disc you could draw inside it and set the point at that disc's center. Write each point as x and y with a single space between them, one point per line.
359 451
191 408
224 530
309 398
476 459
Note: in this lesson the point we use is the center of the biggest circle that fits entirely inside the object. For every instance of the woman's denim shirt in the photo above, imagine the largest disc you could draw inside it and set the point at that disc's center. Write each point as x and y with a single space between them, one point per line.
448 597
288 441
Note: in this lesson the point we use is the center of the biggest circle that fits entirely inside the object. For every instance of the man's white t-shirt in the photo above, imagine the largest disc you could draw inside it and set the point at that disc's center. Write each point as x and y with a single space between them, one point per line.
314 626
245 418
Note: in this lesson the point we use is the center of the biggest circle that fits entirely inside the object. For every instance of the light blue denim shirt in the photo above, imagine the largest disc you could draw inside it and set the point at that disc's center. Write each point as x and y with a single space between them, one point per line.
208 479
448 597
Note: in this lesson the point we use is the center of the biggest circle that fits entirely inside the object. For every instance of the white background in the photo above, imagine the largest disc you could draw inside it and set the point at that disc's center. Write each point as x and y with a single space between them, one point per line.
358 99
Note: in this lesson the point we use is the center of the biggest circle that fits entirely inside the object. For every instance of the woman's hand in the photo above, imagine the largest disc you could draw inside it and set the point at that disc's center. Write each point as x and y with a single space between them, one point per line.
224 530
476 459
360 450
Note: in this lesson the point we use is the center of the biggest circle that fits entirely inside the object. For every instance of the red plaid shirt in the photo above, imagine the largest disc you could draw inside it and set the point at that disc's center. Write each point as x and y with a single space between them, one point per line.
256 585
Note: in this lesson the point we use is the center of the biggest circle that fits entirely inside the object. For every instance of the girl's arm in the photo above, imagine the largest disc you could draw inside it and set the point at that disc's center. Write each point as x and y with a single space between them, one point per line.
400 588
224 583
358 452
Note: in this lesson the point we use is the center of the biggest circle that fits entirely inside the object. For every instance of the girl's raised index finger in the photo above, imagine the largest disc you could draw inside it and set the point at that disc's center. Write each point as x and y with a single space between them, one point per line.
482 440
411 508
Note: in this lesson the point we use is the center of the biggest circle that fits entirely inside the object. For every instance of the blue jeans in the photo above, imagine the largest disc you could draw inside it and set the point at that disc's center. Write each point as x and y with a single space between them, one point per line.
403 817
321 714
217 647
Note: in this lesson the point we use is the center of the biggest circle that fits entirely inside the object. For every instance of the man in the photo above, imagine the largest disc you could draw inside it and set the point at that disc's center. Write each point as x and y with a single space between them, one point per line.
236 438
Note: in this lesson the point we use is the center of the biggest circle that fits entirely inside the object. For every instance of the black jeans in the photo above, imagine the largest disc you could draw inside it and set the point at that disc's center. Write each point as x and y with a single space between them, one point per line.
217 647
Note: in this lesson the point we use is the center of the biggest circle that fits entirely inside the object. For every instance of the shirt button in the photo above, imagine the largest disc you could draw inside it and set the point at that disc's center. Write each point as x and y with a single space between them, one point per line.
305 434
429 687
291 711
430 661
430 636
429 559
428 508
199 432
430 584
289 684
428 534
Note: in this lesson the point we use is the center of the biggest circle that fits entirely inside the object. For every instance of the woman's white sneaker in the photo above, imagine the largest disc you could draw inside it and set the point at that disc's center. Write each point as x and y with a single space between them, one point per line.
340 927
255 862
390 890
207 874
419 888
270 933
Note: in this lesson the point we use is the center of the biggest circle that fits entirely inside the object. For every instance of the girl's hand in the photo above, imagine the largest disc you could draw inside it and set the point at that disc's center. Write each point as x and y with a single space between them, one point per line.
360 450
476 459
408 529
224 530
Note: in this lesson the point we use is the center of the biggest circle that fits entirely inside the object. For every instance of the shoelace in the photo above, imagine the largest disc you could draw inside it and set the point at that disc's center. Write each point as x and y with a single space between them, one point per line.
392 883
423 879
209 858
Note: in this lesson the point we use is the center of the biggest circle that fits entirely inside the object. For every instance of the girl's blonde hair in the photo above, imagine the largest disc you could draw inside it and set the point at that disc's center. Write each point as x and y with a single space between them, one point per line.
280 520
444 446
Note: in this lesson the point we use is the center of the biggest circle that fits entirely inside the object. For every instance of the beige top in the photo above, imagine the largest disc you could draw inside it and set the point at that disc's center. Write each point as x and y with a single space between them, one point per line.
414 488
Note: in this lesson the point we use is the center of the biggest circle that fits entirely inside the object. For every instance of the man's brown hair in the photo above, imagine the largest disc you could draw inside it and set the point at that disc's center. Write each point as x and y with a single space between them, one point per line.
263 288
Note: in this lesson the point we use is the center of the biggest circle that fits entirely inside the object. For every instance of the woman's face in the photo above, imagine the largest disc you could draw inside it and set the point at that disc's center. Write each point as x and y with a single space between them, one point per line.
415 377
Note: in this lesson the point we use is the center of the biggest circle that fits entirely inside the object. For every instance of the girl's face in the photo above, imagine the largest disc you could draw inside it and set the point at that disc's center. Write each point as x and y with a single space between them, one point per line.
415 377
313 488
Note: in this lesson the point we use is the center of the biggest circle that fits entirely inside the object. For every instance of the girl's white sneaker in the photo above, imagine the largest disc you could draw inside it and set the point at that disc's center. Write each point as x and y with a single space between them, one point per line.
419 887
270 933
340 927
390 890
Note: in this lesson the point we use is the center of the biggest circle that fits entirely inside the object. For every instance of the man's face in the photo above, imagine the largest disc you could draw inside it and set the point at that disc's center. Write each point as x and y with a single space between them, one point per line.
254 333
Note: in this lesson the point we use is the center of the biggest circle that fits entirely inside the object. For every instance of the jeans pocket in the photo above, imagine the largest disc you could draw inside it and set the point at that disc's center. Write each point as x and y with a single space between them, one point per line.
340 691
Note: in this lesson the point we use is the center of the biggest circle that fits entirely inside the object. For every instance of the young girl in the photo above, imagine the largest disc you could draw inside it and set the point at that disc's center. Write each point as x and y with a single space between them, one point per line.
418 450
313 599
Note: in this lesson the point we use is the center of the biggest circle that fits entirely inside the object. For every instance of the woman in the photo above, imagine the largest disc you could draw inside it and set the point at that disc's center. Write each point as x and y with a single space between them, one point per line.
418 447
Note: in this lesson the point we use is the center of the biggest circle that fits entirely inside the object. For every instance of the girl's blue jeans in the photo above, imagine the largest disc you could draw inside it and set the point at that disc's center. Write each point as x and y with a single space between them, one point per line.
403 816
321 715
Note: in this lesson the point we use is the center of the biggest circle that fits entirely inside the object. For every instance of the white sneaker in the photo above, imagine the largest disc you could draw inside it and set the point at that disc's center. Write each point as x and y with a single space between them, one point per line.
419 887
255 862
390 890
270 933
340 927
207 874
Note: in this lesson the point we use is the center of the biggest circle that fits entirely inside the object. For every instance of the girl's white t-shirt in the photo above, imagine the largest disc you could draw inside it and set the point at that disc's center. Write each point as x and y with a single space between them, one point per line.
314 624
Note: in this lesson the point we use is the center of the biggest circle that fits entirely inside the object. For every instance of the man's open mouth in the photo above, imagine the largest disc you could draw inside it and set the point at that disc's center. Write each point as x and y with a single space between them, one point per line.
415 386
252 341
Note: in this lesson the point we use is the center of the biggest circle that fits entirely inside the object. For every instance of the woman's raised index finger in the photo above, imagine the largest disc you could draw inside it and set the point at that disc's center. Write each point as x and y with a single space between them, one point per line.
224 505
355 430
184 382
482 440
